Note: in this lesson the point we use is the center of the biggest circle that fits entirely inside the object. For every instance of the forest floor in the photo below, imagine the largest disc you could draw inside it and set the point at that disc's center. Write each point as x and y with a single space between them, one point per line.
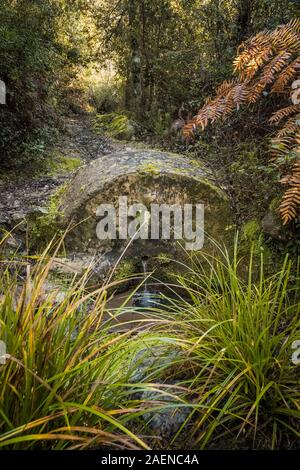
25 193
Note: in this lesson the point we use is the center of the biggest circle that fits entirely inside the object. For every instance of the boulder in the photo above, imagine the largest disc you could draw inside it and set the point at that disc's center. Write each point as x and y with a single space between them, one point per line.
143 176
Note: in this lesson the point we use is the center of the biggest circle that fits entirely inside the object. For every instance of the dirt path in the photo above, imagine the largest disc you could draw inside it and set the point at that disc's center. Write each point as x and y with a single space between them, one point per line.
23 196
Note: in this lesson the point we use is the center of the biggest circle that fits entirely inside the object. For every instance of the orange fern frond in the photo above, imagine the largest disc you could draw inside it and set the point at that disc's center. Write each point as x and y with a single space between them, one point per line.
268 62
189 130
290 204
292 126
225 87
295 24
286 37
287 76
252 54
284 113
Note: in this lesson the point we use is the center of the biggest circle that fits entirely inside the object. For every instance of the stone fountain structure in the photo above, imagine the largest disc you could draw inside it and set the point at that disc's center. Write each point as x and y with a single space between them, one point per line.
146 177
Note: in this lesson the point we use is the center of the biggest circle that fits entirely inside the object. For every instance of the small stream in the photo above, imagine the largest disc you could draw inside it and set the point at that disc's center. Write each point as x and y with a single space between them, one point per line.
145 298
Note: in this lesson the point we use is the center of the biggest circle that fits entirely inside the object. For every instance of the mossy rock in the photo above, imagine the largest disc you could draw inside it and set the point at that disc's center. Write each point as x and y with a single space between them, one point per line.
147 177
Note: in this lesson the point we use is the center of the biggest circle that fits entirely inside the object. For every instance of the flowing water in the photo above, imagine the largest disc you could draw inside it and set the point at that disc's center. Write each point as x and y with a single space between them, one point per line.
145 298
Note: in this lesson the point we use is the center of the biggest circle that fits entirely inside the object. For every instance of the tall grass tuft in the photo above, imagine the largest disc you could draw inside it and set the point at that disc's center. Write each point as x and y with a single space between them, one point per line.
211 368
236 327
61 384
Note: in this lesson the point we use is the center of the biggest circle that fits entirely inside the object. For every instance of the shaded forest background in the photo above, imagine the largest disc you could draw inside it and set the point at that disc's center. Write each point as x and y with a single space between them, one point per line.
145 56
154 61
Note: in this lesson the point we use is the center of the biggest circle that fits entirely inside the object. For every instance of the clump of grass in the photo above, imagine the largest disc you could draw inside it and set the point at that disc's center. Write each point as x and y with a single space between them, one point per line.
219 350
236 334
64 381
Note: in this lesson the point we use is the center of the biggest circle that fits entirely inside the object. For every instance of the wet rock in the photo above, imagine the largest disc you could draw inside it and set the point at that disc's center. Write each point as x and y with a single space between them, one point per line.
171 414
147 361
80 263
39 210
13 243
18 217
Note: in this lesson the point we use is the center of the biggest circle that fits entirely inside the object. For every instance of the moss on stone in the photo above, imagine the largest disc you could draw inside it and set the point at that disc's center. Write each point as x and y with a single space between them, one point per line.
125 270
43 227
61 164
115 125
150 169
54 163
196 163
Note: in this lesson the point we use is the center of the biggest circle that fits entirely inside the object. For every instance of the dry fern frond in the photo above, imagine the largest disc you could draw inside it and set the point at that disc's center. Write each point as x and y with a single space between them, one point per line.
286 38
252 54
272 69
295 24
284 113
268 62
290 127
286 77
290 204
225 87
189 131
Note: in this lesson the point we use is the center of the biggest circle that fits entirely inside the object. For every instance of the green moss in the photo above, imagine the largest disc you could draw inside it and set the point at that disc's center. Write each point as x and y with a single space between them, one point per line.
214 188
179 171
125 269
61 164
196 163
163 258
50 164
168 273
252 239
43 228
251 231
69 164
275 203
149 168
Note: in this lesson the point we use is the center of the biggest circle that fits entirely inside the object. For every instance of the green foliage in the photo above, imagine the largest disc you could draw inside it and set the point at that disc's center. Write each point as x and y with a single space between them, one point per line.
252 238
251 231
148 56
38 41
242 166
114 125
173 52
125 270
105 89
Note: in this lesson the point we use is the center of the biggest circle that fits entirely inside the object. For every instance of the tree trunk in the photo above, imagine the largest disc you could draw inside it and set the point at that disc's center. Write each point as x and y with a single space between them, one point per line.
133 82
243 23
